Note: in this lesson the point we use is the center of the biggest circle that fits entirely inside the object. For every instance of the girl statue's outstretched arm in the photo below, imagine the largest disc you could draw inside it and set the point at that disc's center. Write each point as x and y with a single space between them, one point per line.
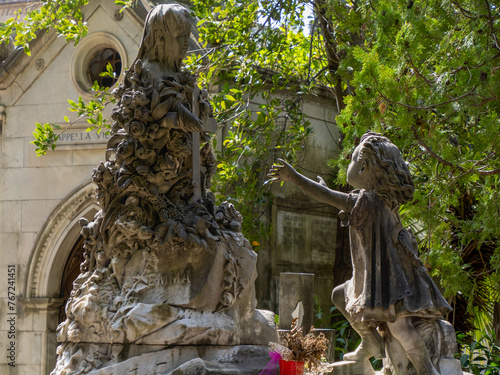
318 191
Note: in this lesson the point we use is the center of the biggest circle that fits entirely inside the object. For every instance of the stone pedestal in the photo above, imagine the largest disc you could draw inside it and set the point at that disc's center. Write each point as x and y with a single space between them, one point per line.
450 366
189 360
352 368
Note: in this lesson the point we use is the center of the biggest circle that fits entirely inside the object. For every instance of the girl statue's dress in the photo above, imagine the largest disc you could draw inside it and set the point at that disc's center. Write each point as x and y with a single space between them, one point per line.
388 281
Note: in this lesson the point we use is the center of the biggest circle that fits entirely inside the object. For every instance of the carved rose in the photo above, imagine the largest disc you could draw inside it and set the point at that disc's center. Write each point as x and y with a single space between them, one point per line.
126 99
135 128
140 98
141 113
142 169
180 144
144 153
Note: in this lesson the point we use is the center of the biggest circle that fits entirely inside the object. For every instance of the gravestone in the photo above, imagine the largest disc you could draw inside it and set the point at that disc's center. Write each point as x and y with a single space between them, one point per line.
167 284
296 300
304 242
296 294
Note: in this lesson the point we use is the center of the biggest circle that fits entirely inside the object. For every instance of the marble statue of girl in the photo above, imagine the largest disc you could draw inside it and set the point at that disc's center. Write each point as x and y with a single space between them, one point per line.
389 285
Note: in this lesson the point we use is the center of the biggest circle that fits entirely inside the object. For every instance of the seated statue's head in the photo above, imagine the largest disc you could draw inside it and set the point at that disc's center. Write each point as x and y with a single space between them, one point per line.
166 37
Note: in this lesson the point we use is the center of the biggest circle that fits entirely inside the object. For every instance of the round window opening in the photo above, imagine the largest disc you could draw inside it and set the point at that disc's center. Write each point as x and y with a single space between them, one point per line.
98 64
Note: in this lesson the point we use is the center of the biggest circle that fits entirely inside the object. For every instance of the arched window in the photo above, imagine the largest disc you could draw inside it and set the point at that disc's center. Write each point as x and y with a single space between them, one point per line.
98 64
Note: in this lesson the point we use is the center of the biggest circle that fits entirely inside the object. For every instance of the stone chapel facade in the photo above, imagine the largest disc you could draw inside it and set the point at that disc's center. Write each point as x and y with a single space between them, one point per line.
43 198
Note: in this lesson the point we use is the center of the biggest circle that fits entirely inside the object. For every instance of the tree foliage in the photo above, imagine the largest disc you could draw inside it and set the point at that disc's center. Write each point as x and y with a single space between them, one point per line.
425 73
65 17
255 52
429 80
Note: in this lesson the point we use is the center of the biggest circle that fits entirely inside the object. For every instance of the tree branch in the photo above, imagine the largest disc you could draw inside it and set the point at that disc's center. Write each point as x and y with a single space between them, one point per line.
474 67
432 153
428 149
425 107
418 72
331 51
490 24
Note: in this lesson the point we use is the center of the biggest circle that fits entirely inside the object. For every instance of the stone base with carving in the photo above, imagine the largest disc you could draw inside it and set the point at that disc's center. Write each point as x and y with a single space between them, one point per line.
446 366
439 336
352 368
220 360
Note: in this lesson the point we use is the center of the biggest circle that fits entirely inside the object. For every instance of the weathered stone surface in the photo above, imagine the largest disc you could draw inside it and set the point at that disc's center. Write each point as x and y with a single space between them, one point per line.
241 360
296 288
352 368
164 265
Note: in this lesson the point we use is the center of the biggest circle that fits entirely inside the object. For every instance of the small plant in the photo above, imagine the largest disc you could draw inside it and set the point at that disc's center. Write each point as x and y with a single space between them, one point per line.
294 346
480 355
346 338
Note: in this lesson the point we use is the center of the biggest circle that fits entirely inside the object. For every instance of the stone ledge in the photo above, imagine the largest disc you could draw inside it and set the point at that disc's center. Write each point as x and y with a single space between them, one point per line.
221 360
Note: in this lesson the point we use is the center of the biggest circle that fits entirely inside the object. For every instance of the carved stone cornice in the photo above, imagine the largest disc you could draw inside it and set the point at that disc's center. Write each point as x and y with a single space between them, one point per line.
36 305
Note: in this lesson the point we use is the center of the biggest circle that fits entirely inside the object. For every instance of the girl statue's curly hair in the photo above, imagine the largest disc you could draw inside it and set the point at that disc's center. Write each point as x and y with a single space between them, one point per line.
390 177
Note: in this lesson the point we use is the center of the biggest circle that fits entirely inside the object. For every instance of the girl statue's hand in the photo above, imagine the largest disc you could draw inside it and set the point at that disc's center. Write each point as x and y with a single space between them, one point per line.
283 172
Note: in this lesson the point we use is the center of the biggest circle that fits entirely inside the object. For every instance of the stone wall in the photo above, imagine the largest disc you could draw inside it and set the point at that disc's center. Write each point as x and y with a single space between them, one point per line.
304 230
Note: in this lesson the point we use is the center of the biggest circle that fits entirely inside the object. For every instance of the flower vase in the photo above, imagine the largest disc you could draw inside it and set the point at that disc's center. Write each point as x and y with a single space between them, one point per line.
291 367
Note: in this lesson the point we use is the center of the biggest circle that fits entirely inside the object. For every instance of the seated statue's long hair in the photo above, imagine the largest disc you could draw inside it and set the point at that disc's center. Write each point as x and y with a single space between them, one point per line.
159 24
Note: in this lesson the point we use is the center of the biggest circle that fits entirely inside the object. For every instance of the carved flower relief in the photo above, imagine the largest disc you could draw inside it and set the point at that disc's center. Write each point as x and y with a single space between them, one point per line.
124 177
145 152
135 128
174 233
132 104
228 217
125 152
121 114
102 176
181 192
139 98
132 219
135 179
168 165
126 99
231 283
119 91
142 114
179 144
